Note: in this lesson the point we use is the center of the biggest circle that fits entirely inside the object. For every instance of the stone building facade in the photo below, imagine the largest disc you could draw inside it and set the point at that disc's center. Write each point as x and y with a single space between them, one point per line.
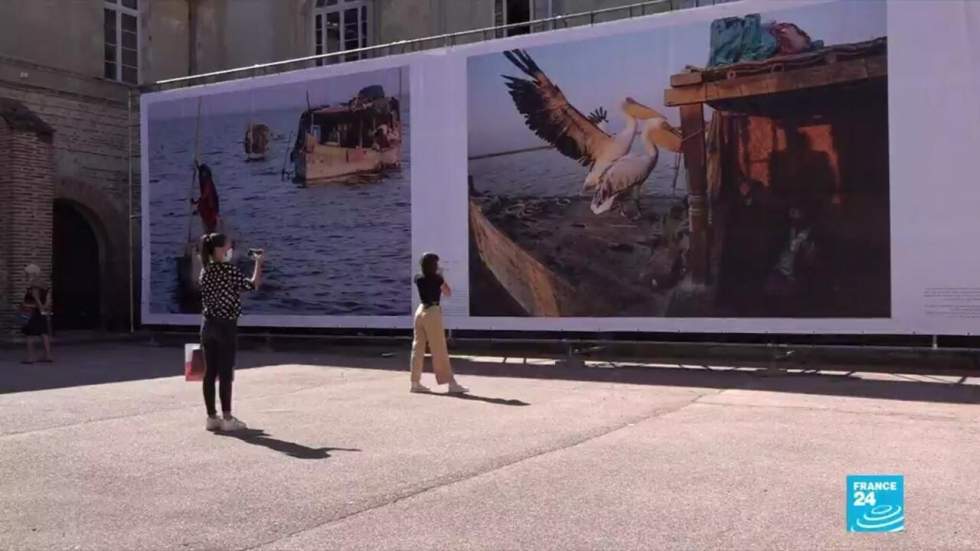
26 195
82 177
70 72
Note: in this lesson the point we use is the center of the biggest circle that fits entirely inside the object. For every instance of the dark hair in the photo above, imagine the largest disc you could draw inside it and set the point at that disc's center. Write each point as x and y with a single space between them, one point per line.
430 264
210 242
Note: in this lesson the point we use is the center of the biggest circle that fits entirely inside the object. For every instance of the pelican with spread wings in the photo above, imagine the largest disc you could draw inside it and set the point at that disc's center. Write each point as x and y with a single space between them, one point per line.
625 176
549 115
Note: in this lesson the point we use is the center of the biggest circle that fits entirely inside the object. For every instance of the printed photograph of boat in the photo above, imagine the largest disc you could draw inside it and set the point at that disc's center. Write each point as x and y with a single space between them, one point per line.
359 137
735 168
331 250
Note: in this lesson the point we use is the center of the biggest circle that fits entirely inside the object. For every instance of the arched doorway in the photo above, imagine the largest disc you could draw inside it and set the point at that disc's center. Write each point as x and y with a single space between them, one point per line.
77 270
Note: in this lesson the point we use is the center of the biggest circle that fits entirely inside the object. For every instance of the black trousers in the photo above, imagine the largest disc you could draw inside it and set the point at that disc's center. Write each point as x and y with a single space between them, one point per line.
219 342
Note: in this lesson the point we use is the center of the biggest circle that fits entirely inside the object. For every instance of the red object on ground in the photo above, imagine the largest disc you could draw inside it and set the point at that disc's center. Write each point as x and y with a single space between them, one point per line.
193 362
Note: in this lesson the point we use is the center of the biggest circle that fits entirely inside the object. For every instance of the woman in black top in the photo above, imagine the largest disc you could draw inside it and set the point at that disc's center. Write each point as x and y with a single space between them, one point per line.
36 307
429 330
221 287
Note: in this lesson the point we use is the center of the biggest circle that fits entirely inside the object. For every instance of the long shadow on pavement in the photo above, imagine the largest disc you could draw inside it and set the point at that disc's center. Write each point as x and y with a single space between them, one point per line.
258 437
475 398
825 380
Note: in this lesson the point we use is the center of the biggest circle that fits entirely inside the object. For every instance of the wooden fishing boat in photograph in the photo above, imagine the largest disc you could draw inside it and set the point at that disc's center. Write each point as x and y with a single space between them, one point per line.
256 142
361 137
538 290
189 272
554 258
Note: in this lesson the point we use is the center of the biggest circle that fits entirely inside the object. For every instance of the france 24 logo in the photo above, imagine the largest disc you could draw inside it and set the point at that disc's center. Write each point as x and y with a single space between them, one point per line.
875 503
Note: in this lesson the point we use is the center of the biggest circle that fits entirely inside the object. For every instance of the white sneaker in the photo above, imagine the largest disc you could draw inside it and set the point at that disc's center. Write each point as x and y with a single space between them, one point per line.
419 388
456 388
214 423
232 424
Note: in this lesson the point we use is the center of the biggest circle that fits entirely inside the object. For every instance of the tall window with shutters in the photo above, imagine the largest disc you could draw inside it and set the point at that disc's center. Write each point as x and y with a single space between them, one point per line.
340 25
122 32
512 12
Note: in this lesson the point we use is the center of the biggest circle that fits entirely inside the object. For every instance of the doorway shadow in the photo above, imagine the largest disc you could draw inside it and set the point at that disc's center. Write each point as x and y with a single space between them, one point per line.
476 398
77 272
258 437
86 363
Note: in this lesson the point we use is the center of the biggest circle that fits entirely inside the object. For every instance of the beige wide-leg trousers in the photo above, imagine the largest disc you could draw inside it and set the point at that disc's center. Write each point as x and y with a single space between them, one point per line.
430 332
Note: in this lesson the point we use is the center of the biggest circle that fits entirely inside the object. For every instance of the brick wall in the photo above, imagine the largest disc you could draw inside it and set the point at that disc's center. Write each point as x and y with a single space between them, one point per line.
7 283
90 137
88 164
27 181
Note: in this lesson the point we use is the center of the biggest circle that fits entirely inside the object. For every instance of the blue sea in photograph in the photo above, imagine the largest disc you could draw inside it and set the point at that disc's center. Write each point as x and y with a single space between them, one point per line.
332 249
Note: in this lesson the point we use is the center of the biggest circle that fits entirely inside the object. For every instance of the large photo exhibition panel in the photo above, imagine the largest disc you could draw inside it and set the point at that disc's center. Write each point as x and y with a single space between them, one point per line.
315 170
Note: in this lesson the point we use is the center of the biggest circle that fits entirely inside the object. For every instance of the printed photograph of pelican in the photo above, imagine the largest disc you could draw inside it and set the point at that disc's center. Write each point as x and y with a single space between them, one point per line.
735 168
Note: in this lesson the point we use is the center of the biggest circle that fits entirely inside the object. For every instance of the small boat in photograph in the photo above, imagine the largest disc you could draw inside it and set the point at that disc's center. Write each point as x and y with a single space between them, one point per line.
360 137
188 274
256 142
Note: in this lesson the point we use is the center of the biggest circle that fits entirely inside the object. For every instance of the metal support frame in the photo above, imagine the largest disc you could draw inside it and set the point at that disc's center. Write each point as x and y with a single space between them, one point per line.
131 257
574 348
416 44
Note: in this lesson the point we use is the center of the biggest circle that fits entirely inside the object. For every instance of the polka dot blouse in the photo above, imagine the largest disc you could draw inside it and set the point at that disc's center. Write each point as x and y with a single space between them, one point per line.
221 287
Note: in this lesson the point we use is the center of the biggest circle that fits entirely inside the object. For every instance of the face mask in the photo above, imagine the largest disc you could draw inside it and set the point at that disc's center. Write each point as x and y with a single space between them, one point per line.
229 254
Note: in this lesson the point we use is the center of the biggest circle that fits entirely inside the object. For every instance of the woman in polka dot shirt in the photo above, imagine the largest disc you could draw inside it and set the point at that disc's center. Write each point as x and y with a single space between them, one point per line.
222 284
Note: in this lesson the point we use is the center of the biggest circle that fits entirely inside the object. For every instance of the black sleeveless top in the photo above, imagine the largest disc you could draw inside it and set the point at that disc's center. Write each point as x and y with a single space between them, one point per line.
430 289
29 297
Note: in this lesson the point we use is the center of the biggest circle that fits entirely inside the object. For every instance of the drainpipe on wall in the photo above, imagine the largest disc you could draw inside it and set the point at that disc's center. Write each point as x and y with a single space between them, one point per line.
129 145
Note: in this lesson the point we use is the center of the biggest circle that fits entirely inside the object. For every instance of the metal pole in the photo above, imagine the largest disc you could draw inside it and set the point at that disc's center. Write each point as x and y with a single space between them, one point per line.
129 159
489 338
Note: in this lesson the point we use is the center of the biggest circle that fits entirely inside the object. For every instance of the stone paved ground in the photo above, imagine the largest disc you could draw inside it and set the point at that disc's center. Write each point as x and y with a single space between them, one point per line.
106 450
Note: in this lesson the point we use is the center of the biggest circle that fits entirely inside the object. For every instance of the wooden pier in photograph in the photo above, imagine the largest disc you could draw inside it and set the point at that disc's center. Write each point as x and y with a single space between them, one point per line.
803 86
